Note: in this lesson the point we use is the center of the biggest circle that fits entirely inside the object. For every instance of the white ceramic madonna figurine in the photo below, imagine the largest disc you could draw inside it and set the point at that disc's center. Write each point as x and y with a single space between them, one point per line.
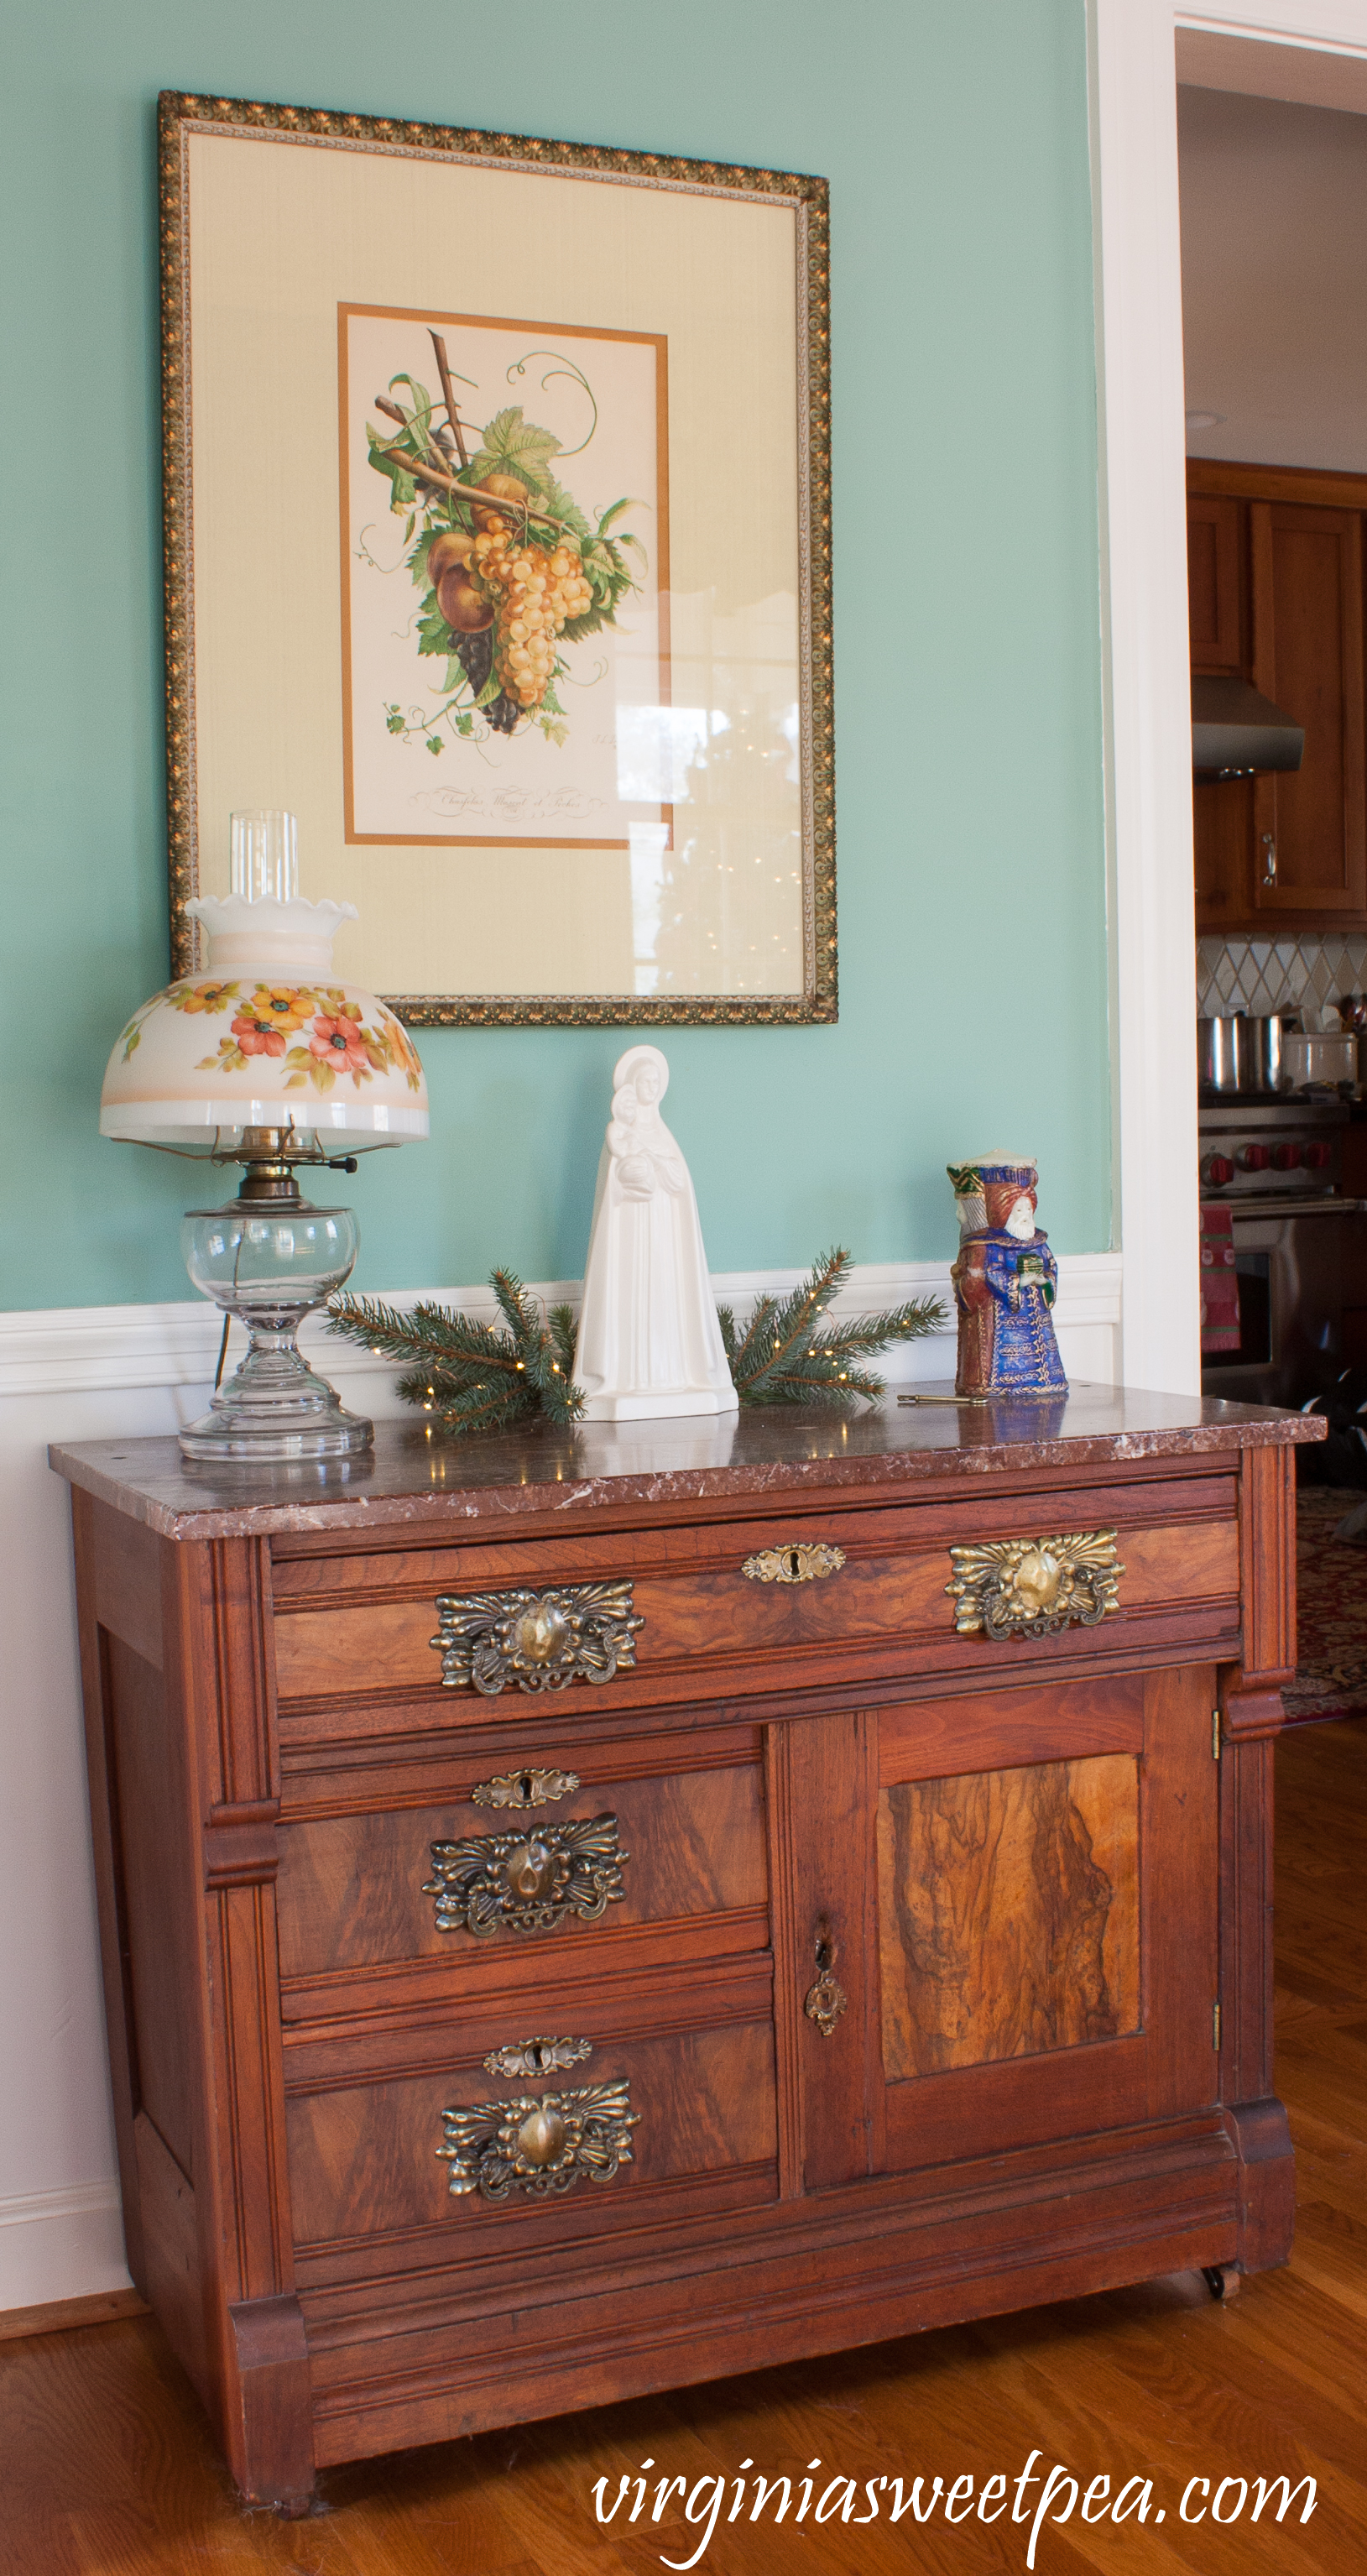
649 1341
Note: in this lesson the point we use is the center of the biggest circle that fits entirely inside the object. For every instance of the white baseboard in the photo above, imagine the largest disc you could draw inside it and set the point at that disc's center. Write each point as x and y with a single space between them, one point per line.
61 2245
114 1372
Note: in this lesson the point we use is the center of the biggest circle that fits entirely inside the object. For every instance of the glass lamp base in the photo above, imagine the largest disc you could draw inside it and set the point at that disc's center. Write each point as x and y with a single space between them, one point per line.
274 1409
270 1259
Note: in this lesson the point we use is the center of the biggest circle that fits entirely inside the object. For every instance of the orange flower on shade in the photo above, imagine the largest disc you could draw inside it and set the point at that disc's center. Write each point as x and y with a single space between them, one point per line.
280 1006
405 1051
205 997
338 1041
397 1044
256 1036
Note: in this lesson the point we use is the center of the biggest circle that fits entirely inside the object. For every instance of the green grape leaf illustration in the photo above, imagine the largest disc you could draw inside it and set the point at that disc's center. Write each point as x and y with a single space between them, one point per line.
513 445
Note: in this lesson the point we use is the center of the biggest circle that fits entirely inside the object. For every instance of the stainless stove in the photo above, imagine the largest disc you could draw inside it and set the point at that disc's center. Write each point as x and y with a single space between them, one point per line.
1300 1244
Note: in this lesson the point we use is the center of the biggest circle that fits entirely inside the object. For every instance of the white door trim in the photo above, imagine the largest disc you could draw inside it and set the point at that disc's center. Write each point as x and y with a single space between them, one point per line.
1142 448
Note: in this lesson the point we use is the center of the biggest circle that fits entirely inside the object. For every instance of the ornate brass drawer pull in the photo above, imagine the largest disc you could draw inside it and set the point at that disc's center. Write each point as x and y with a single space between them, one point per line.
525 1789
529 1881
536 2056
1030 1587
538 2143
540 1640
826 2000
800 1562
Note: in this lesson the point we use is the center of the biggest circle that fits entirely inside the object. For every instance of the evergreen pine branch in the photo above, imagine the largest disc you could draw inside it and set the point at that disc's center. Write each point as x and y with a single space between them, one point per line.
561 1400
515 1304
864 1335
774 1336
789 1355
755 1335
815 1393
800 1313
526 1339
469 1375
473 1377
419 1332
564 1325
486 1404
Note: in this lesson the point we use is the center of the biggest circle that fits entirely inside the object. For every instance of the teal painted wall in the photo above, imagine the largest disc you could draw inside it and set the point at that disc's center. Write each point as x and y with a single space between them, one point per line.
972 893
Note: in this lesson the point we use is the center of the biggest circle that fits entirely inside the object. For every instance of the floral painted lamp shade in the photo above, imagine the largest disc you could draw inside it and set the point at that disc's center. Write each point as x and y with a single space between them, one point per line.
268 1060
267 1038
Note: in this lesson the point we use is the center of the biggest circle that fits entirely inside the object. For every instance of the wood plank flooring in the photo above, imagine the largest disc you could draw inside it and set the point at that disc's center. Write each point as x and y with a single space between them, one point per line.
107 2467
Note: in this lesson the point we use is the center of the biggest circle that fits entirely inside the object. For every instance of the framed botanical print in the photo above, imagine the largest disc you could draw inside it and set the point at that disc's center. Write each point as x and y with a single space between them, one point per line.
497 506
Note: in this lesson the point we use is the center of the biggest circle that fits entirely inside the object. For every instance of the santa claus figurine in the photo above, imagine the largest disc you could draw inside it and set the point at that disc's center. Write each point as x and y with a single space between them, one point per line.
1005 1282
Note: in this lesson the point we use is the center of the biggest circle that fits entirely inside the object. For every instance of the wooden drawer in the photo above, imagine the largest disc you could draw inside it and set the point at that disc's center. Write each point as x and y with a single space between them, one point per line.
370 2188
354 1636
581 1883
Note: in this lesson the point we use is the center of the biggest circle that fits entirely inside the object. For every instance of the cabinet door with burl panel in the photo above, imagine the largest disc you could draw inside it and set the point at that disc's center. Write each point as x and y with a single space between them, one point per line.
1018 1895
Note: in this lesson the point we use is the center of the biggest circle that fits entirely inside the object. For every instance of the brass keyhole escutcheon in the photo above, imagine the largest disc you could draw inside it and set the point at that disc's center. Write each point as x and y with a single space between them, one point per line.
526 1788
541 2137
801 1561
529 1868
826 2000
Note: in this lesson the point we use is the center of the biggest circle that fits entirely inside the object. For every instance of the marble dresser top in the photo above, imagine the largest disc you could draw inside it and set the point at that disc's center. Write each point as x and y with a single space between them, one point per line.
414 1475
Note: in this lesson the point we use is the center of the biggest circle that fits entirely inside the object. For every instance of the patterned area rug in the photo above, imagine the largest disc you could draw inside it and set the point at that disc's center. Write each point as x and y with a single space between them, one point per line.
1331 1608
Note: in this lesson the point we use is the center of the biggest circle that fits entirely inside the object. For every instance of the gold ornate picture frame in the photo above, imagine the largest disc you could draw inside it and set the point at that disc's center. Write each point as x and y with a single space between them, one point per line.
498 548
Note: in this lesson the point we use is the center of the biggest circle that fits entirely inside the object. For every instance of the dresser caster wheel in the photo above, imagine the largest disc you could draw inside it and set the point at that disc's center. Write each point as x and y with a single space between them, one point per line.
1221 2279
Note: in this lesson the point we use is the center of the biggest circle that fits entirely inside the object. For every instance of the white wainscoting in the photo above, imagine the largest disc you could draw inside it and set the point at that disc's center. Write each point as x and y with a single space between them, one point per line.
114 1372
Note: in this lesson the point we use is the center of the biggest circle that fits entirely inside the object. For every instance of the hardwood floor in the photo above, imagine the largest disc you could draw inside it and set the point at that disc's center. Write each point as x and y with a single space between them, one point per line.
107 2468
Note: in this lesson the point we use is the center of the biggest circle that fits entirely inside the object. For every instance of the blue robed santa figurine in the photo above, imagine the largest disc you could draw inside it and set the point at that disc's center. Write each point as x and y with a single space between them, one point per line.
1005 1282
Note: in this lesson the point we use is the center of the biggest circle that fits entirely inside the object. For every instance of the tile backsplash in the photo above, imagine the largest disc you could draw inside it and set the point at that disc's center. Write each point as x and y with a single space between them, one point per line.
1260 975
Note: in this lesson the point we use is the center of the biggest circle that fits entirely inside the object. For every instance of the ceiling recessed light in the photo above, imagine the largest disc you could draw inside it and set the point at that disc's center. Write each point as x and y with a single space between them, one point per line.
1206 419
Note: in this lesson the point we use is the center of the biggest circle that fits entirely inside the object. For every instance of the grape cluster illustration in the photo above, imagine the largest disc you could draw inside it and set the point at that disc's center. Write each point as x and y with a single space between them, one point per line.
510 569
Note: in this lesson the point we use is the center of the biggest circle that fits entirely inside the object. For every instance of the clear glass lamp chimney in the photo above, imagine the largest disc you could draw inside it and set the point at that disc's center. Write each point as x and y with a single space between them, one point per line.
265 856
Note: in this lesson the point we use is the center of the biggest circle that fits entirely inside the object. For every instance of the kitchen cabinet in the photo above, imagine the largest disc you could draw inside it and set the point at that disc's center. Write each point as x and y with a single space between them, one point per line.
1275 585
584 1912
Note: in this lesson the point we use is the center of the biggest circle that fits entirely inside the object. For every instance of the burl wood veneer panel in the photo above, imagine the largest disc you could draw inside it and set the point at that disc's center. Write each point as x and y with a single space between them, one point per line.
1008 1912
364 2161
1167 2064
351 1887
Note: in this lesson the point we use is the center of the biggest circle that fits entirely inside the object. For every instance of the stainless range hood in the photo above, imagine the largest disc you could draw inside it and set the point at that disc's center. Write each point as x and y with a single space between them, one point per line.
1236 730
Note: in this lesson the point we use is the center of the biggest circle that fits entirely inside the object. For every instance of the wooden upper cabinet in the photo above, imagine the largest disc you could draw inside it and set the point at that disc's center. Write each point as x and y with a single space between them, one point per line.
1213 585
1275 582
1310 824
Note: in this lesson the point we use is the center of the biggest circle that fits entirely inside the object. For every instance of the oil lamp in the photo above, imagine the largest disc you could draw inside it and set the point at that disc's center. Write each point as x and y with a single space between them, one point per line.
268 1060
